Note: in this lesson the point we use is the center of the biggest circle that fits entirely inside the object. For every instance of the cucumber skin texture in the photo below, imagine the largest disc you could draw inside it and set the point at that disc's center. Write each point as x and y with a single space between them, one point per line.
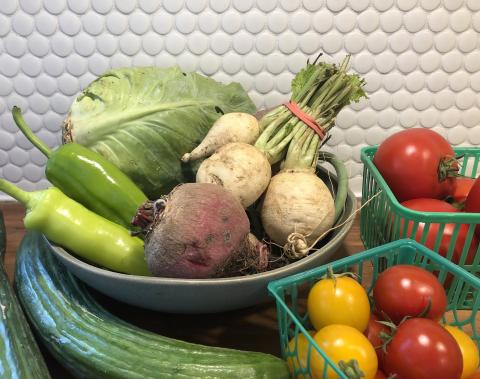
92 343
20 356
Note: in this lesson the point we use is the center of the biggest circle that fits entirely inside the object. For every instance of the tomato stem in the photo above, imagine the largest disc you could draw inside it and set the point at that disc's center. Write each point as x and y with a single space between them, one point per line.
351 369
427 309
448 168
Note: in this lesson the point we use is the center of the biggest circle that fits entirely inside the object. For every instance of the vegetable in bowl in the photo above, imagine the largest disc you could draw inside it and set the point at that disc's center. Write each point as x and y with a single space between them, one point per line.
199 230
143 119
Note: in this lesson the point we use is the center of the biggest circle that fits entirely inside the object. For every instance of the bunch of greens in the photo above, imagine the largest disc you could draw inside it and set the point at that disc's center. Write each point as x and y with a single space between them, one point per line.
143 119
298 209
321 90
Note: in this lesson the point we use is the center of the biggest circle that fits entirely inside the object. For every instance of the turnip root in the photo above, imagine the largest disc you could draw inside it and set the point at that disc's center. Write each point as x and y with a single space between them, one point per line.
231 127
241 168
199 231
298 208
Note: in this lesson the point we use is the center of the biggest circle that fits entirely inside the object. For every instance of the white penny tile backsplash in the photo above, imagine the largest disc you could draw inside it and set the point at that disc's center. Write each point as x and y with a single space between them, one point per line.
420 59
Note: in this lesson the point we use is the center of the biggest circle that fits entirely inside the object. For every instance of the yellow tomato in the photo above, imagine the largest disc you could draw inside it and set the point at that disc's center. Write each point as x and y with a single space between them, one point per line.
300 360
338 301
343 343
469 350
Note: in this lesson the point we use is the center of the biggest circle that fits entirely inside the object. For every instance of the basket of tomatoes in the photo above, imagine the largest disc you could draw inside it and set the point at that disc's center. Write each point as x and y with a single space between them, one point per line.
415 185
395 311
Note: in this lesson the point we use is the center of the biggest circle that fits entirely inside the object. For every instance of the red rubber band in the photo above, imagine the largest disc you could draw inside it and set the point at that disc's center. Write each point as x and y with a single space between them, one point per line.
306 118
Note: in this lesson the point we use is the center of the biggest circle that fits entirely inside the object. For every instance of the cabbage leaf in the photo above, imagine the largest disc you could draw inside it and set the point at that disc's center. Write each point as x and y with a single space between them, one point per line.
143 119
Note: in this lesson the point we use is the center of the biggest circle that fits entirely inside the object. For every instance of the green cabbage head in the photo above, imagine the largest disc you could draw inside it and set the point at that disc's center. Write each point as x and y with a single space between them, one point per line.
143 119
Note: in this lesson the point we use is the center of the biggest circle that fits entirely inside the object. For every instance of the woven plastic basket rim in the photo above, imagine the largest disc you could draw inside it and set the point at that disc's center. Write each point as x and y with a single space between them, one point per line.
432 217
275 286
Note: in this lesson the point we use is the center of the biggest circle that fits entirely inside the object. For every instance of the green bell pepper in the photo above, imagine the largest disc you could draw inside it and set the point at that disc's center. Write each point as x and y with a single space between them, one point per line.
88 178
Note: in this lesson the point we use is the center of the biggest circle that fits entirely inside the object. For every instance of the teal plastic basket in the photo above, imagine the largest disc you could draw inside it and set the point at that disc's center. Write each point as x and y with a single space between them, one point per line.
291 293
382 217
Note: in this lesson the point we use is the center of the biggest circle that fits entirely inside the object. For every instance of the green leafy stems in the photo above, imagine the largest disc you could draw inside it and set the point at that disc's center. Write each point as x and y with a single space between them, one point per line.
321 90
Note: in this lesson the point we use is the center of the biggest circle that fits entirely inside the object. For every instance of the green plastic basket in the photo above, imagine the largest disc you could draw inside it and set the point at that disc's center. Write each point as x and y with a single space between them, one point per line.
382 216
291 293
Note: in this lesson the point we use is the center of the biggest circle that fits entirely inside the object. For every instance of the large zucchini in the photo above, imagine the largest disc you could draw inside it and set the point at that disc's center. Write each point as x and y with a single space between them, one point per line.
92 343
20 356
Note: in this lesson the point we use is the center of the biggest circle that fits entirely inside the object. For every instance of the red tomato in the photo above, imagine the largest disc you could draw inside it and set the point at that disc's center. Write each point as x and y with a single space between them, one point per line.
405 290
380 375
413 161
472 204
462 188
374 328
423 349
433 205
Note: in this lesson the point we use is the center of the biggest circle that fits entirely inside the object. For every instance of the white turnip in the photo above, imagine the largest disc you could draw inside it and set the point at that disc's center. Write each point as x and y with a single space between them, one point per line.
298 208
199 231
231 127
239 167
297 205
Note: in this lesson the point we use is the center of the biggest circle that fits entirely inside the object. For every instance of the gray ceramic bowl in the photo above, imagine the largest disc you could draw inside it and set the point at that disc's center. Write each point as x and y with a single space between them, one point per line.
201 295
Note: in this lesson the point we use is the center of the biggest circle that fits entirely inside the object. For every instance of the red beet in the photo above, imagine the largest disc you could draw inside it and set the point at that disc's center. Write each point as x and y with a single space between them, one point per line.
199 231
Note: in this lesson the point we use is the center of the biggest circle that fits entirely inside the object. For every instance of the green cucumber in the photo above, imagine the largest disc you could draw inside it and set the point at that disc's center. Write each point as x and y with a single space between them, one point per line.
92 343
20 356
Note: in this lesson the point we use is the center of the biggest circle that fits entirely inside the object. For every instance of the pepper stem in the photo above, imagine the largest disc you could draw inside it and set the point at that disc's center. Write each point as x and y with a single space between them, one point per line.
15 192
27 132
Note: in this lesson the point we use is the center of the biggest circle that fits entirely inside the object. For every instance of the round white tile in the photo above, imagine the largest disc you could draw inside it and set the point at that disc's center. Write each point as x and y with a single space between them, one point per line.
197 6
54 6
450 118
221 43
255 21
423 41
125 6
107 44
345 21
437 81
197 43
102 6
430 61
253 64
459 81
438 20
323 21
30 6
368 21
139 23
354 42
415 81
232 22
93 23
246 5
445 41
185 22
429 118
162 23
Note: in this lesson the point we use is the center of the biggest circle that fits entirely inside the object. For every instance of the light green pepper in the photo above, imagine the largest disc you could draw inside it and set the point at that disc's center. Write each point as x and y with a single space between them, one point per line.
79 230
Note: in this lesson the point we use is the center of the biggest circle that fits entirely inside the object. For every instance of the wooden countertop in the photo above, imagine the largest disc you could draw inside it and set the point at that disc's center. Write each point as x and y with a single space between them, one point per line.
253 328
